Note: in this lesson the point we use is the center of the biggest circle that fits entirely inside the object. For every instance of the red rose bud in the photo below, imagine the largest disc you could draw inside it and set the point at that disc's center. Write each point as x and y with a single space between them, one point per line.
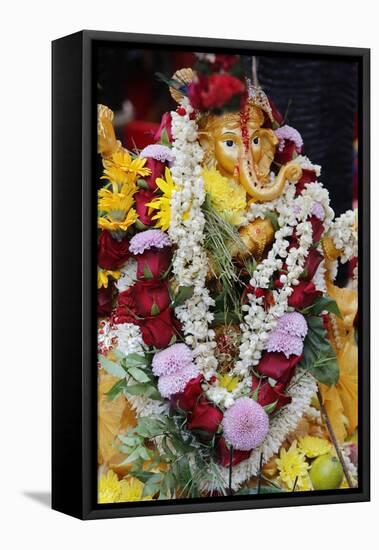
268 394
157 168
276 365
224 62
223 454
104 301
144 212
126 311
187 399
164 125
213 92
181 111
308 176
317 228
312 262
153 263
205 417
304 294
151 297
288 153
111 253
158 330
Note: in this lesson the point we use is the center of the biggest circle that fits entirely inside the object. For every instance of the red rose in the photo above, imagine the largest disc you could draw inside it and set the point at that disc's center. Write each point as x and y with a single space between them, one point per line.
104 301
276 365
303 295
287 154
308 176
165 125
312 262
154 262
142 197
126 311
204 417
187 399
215 91
150 295
268 394
224 62
157 168
158 330
111 253
223 454
317 228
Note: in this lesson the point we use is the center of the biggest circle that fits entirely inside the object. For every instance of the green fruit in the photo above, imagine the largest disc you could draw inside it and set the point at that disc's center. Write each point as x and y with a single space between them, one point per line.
326 473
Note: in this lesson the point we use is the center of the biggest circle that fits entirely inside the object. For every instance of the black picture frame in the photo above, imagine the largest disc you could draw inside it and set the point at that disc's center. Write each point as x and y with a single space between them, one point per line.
74 432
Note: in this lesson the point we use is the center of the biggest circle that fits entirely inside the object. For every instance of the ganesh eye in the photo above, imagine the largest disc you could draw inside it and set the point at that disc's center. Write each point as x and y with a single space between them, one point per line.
256 140
229 143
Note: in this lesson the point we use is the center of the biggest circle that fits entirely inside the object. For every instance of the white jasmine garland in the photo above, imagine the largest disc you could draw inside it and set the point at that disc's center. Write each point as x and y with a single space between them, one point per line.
345 235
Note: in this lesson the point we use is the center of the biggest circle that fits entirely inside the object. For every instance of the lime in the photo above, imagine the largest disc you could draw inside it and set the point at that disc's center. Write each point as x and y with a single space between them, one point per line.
326 473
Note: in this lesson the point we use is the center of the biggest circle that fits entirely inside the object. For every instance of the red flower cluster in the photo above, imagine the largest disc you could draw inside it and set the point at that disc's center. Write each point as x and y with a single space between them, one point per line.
111 253
214 91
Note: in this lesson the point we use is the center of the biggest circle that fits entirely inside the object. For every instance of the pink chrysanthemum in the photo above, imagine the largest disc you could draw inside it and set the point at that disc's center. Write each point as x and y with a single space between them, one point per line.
291 134
157 152
318 211
170 384
152 238
245 424
293 324
284 343
172 359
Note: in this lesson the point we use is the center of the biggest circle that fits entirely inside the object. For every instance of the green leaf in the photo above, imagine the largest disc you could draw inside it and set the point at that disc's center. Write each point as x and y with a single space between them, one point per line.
165 140
116 389
138 374
147 272
319 357
324 303
155 309
271 407
150 489
135 360
135 455
183 294
136 389
112 368
142 184
273 217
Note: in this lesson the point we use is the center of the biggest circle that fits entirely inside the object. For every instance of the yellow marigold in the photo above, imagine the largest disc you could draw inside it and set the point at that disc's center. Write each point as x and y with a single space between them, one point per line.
111 489
162 203
116 207
122 168
227 197
292 465
314 446
102 277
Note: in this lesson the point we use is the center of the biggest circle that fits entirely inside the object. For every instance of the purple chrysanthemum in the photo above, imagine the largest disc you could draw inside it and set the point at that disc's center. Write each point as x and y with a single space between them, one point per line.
318 211
245 424
293 324
152 238
157 152
291 134
172 359
284 343
170 384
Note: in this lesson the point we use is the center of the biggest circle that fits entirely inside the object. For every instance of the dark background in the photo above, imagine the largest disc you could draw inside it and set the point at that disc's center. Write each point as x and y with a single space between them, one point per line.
320 97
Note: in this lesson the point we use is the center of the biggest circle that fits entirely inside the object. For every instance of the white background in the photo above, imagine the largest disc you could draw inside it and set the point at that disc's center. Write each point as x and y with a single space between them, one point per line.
26 31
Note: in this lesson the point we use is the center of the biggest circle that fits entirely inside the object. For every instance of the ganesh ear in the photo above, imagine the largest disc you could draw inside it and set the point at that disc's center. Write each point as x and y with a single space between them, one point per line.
269 142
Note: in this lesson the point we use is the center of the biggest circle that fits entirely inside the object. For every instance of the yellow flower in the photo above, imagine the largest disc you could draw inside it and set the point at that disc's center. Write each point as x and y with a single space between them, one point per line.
229 382
227 197
121 168
131 490
314 446
292 465
162 203
108 222
102 277
110 489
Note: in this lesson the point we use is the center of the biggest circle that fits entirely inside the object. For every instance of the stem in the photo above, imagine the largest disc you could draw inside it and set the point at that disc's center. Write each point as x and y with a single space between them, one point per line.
334 440
294 485
254 70
230 469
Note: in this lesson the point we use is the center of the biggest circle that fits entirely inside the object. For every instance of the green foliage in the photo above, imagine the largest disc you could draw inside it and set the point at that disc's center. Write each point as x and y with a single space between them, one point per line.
323 303
319 357
273 217
183 294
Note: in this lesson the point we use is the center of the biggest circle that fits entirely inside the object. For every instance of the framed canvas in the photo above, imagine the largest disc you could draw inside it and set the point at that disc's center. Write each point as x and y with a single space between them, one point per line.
210 316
